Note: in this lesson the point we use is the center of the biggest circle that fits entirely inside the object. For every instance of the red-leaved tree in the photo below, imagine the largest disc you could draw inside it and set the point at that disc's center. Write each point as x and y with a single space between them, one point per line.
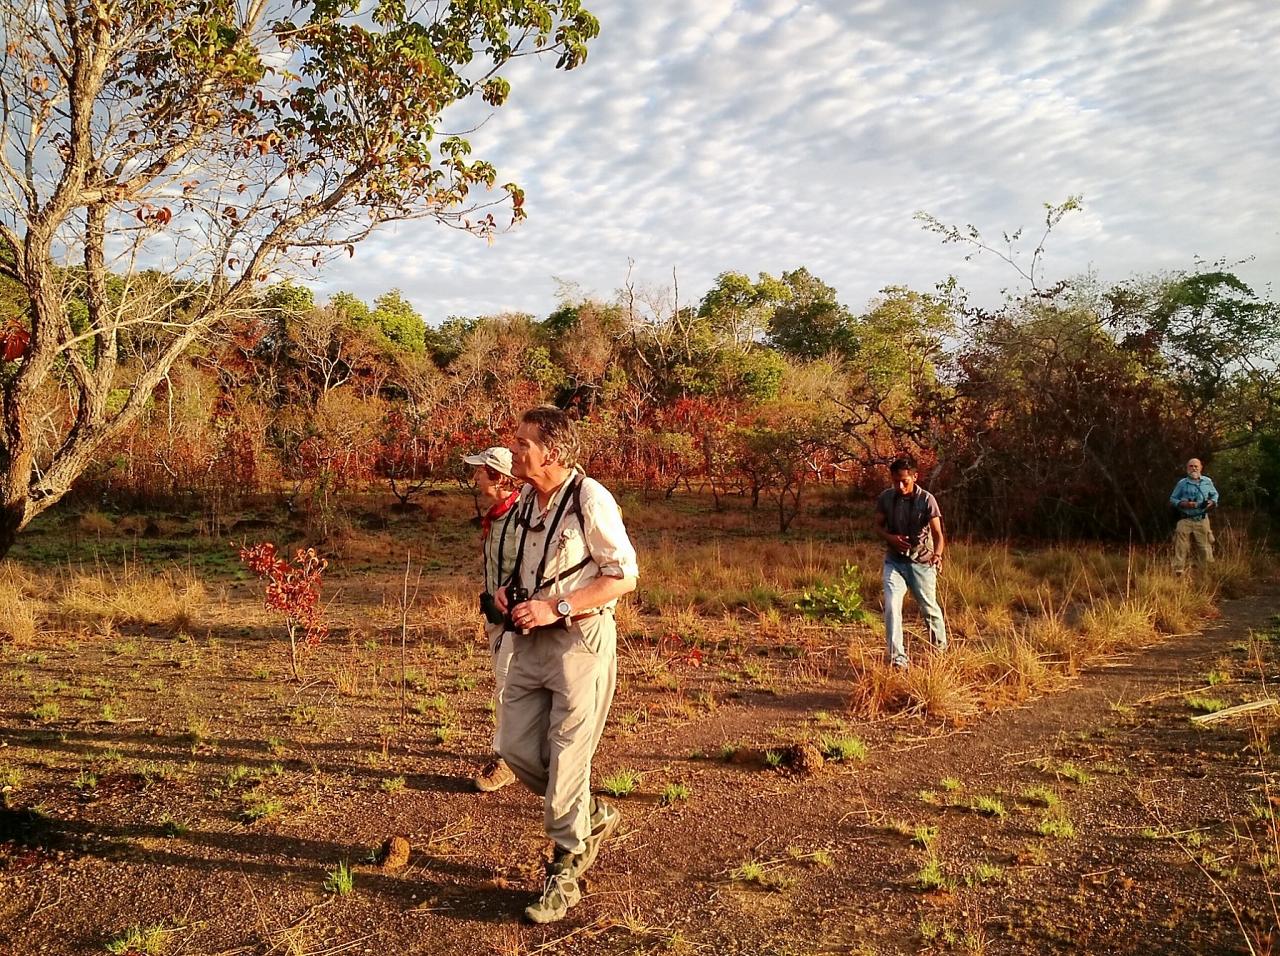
293 591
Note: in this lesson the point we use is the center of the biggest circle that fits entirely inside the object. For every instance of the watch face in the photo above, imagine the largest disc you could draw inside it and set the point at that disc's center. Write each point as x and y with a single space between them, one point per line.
563 608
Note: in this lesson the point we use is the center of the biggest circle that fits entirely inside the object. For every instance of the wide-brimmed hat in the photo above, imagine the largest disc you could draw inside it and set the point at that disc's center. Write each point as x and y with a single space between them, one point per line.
498 458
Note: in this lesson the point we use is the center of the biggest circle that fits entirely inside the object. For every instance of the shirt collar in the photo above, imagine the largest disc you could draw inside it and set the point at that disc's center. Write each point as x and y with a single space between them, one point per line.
553 500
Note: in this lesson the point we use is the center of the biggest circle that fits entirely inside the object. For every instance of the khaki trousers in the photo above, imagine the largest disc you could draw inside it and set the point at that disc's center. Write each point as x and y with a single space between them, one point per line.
552 714
1187 531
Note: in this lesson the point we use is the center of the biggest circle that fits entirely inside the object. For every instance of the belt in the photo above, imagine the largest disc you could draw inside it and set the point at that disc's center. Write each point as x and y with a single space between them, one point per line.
563 623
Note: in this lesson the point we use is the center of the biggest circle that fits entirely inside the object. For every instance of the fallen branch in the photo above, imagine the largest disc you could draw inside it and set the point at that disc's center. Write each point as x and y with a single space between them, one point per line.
1236 710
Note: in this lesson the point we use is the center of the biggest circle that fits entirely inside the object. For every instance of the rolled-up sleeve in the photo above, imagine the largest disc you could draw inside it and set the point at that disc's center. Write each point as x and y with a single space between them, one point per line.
606 535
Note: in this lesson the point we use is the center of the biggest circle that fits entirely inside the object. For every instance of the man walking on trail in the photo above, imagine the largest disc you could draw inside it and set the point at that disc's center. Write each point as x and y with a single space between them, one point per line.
1194 496
910 522
498 534
573 561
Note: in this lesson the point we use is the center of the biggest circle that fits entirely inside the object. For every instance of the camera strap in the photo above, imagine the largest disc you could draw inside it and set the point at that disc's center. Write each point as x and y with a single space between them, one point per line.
573 491
502 543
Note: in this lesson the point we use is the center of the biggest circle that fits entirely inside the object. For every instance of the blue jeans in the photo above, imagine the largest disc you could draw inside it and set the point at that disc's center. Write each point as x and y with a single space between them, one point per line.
922 581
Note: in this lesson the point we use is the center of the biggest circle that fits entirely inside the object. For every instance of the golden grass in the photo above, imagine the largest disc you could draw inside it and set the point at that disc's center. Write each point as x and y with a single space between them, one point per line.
18 622
1054 641
1014 668
95 522
1124 625
941 686
174 598
628 618
1022 623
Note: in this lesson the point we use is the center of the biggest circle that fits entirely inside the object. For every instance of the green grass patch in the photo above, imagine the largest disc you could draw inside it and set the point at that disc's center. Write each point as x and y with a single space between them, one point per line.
989 807
392 785
932 876
620 783
1206 705
340 881
140 941
842 749
674 793
256 807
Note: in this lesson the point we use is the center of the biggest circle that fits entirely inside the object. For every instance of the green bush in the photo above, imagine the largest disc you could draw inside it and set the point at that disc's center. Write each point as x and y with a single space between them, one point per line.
839 600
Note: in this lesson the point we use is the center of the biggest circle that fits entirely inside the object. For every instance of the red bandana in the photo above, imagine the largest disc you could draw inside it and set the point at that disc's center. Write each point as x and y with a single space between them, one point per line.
496 512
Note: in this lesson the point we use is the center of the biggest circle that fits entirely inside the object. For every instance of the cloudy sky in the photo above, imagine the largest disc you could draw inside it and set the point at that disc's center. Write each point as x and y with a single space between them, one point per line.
762 135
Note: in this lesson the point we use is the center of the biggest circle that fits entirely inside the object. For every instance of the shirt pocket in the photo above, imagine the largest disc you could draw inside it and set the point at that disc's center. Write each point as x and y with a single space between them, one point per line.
568 550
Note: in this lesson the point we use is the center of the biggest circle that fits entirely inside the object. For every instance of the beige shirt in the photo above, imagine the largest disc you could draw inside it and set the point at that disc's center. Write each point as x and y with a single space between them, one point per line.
600 537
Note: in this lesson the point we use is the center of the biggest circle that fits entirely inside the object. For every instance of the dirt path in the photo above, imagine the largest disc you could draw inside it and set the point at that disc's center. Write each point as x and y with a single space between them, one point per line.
1151 844
1119 731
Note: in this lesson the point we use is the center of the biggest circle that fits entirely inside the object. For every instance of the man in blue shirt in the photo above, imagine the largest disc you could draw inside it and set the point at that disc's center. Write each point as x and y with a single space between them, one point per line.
1194 497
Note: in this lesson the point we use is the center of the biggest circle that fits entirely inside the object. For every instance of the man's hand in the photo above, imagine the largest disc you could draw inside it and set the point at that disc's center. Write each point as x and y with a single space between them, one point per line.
500 599
1210 505
1188 503
901 542
936 560
534 613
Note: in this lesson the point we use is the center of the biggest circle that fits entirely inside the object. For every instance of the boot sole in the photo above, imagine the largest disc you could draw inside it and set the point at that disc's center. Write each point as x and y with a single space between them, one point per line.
491 787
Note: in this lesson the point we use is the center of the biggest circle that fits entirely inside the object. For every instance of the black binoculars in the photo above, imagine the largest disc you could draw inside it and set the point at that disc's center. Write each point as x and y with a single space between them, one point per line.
516 595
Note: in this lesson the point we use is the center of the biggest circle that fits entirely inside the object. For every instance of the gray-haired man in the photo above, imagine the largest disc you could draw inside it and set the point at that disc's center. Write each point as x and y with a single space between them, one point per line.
573 562
1194 496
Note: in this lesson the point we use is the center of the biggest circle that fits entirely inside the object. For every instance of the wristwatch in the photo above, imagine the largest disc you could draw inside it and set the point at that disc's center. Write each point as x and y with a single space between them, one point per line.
564 608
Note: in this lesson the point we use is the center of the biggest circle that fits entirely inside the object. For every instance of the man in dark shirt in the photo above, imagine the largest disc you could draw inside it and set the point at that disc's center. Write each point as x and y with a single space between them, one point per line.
910 522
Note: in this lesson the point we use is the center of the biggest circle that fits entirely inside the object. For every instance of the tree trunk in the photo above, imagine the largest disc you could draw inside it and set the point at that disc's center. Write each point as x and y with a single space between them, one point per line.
10 524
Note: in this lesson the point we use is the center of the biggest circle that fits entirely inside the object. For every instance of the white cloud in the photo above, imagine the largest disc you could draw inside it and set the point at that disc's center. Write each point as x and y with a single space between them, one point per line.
767 134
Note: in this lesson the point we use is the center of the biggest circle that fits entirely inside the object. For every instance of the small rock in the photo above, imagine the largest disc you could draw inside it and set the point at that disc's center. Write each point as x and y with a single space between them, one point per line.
804 759
393 854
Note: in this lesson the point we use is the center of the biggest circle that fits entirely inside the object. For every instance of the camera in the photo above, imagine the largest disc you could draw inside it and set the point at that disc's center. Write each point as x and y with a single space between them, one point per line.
489 608
516 595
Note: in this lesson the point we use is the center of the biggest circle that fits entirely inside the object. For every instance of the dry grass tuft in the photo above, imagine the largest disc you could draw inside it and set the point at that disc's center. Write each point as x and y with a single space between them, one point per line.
628 618
1023 622
1176 606
174 598
95 522
1054 642
18 621
1015 668
450 613
877 688
1106 627
940 686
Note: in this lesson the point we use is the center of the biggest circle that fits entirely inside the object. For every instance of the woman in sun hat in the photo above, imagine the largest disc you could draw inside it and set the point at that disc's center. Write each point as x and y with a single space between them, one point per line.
499 534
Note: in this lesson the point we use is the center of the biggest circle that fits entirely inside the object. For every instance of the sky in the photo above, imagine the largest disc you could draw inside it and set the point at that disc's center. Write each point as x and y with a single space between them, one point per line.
704 136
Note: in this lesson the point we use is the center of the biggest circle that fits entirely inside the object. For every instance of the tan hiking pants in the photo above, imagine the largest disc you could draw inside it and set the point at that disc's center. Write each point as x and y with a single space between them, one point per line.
1188 531
553 709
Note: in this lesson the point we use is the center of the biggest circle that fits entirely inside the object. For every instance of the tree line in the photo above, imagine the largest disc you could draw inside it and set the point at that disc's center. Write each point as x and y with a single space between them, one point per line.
1065 412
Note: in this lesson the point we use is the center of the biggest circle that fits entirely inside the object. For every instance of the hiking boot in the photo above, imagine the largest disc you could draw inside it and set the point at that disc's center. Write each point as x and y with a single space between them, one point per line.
605 818
558 894
494 776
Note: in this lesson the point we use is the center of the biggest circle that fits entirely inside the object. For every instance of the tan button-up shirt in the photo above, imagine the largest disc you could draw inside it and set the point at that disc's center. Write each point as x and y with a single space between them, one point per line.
600 537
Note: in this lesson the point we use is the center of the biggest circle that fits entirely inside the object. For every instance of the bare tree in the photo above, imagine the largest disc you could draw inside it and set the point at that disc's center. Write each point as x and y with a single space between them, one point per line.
159 160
